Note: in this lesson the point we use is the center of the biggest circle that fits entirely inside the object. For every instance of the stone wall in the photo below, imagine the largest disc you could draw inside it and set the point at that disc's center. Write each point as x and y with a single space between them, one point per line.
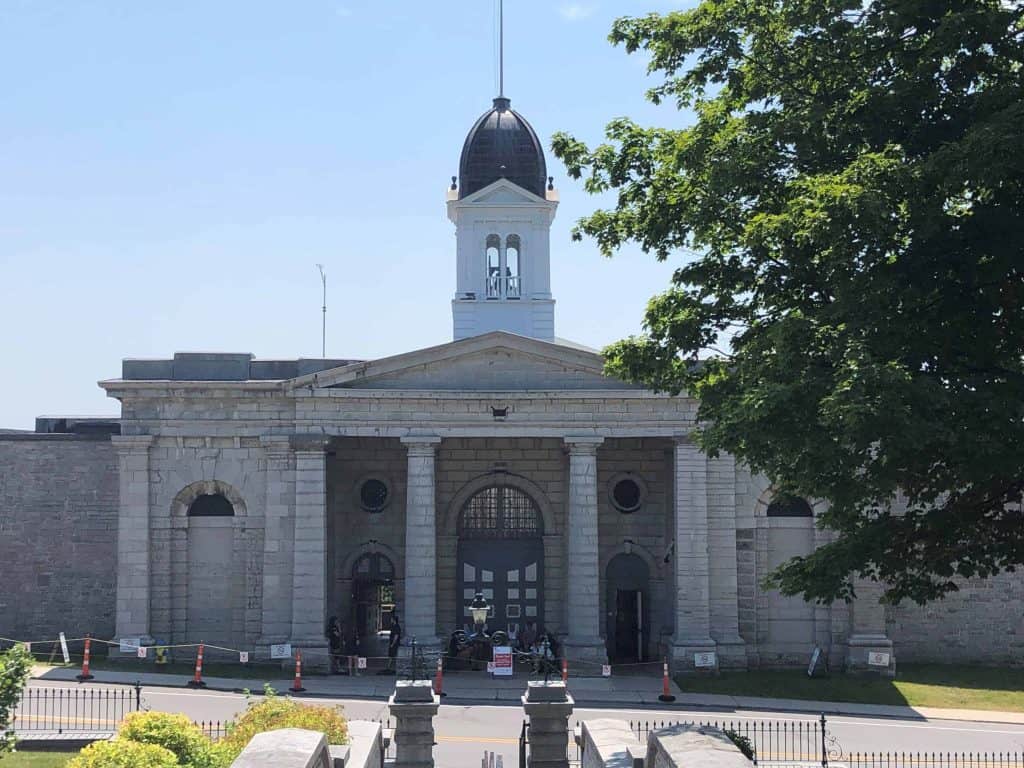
983 623
58 536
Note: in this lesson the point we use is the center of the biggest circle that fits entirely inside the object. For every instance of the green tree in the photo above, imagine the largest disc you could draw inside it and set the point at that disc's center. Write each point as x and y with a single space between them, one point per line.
850 196
15 665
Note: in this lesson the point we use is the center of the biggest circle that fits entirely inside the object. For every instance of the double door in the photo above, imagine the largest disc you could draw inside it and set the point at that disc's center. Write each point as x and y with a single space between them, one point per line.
509 573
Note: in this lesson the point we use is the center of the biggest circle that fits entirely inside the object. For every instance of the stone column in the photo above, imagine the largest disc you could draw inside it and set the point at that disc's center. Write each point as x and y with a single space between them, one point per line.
867 631
583 580
132 616
548 705
309 572
278 542
413 705
420 610
692 603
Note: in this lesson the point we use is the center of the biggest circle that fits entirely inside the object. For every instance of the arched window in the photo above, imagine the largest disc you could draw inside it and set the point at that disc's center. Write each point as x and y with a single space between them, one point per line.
512 267
789 506
211 505
500 512
493 267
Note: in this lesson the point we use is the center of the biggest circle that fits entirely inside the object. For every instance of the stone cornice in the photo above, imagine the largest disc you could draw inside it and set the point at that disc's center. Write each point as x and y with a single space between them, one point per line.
126 444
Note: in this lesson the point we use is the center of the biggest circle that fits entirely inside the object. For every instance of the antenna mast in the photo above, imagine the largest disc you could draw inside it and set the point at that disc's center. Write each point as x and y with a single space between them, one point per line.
323 333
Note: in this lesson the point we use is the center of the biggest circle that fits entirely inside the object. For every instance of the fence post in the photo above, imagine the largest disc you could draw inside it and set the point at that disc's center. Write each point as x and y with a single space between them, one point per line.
824 749
138 696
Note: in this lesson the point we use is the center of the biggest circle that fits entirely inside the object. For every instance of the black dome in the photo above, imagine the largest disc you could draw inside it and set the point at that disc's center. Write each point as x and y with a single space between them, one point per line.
502 145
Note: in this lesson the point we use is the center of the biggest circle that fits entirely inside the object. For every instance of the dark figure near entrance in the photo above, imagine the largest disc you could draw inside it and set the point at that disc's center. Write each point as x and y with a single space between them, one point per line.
394 641
335 643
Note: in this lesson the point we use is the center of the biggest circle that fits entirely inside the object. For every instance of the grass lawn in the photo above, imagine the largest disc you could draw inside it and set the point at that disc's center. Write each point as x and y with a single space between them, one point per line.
918 685
23 759
185 669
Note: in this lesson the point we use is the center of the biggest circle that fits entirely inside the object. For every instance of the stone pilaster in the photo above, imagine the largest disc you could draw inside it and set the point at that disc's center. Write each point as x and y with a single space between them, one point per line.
693 599
867 631
309 576
420 610
132 616
584 642
548 705
722 561
413 705
278 541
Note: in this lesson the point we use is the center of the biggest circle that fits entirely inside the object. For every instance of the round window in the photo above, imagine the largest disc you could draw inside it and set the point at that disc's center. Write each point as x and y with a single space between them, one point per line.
627 492
373 495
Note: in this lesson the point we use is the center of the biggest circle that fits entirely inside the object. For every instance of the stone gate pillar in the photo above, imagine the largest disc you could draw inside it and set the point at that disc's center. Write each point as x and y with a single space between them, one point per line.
693 598
133 588
421 541
584 642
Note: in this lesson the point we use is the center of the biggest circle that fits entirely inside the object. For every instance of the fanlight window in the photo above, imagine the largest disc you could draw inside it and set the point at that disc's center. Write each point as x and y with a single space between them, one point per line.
789 506
211 505
503 268
500 512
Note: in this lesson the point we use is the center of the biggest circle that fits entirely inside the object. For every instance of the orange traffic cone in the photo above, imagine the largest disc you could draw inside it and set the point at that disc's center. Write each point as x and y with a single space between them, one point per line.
666 695
439 677
297 685
86 675
197 679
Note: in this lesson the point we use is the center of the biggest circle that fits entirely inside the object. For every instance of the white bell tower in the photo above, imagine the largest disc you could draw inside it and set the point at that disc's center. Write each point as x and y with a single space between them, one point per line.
503 282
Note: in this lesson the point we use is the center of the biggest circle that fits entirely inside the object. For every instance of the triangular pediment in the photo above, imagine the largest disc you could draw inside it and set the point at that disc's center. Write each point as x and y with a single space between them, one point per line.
503 192
496 361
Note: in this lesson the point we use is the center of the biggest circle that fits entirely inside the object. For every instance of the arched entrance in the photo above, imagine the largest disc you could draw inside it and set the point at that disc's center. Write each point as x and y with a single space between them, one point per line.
373 602
628 609
501 554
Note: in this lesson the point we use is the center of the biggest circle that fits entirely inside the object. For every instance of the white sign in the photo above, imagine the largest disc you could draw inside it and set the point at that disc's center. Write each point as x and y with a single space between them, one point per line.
814 661
361 662
281 651
490 667
704 660
28 647
64 648
243 657
129 644
606 670
878 659
503 660
141 652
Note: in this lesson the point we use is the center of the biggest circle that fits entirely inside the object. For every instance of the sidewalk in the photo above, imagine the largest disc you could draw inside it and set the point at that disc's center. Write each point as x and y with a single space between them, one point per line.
589 692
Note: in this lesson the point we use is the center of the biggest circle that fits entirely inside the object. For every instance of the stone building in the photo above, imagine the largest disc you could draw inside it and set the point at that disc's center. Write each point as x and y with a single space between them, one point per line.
241 502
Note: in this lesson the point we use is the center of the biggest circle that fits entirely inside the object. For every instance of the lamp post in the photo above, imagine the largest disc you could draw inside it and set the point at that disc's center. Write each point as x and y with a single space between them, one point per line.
479 609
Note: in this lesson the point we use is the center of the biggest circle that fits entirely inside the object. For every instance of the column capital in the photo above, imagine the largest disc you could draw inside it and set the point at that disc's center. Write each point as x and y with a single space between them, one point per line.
420 445
582 444
125 444
308 443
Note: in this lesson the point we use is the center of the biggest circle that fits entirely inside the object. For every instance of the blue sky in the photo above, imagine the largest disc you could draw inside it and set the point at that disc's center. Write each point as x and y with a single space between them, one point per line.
170 174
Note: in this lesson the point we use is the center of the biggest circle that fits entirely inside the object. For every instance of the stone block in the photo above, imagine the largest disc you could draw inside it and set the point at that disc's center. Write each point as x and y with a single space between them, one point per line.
286 748
690 745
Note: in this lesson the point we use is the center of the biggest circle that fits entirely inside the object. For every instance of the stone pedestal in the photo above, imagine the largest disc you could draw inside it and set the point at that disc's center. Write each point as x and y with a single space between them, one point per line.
413 705
548 705
859 650
867 633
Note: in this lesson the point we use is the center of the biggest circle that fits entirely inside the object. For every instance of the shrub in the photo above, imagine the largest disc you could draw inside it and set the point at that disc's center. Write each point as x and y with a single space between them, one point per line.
121 753
275 712
742 742
175 733
14 669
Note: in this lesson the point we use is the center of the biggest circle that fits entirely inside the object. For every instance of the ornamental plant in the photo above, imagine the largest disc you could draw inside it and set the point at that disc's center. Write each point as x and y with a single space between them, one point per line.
122 753
275 712
14 668
175 733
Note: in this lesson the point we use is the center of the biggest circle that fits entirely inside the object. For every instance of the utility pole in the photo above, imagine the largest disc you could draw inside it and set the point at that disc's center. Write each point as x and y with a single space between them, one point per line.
323 333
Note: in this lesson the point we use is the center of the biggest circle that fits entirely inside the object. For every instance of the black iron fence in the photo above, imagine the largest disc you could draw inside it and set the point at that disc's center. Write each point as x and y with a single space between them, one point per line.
769 740
931 760
70 710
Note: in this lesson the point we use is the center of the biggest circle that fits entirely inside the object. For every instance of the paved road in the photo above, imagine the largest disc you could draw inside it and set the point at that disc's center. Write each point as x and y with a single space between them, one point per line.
464 732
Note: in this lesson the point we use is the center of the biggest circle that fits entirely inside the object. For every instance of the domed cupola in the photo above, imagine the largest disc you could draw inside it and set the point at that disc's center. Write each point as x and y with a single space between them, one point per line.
502 145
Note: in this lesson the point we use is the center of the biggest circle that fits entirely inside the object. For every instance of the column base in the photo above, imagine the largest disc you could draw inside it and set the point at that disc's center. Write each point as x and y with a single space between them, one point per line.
732 653
864 652
683 652
586 655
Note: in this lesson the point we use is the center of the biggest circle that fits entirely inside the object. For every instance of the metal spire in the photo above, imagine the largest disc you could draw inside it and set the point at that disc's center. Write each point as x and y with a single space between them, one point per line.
501 49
